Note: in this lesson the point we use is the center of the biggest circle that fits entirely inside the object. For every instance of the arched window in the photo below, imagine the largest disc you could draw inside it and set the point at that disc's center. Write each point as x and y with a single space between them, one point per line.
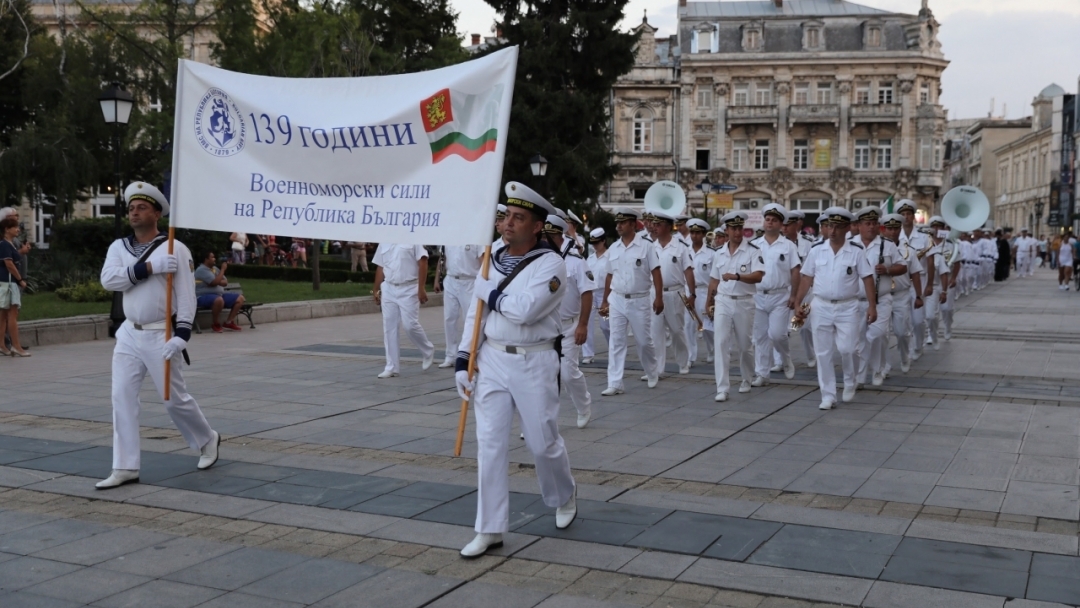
643 120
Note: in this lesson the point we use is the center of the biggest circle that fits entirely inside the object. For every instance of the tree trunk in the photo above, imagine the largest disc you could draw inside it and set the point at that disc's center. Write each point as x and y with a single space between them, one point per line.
316 250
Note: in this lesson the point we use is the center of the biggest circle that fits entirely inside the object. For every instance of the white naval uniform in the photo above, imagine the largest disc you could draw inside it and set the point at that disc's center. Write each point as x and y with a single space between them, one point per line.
834 313
940 252
598 270
630 304
702 260
733 316
903 303
772 317
873 338
969 267
139 351
914 243
524 316
400 300
578 281
806 332
461 264
987 250
675 259
1027 248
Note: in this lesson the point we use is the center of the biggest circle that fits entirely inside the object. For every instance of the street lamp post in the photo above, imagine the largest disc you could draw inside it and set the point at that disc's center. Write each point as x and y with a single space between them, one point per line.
116 106
1038 219
538 165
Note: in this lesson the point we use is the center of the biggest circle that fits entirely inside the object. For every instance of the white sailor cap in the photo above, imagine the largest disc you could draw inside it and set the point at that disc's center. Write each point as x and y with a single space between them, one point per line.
1024 229
892 220
681 219
871 212
500 211
794 215
937 219
734 219
520 195
574 218
561 213
142 191
775 209
625 213
554 225
663 215
597 234
698 224
906 203
837 215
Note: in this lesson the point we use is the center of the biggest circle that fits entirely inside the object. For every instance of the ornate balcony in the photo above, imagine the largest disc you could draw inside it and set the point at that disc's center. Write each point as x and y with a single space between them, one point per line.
827 113
876 112
747 115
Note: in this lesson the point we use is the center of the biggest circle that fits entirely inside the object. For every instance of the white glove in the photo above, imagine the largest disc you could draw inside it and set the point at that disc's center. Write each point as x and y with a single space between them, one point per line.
173 347
483 287
464 385
164 264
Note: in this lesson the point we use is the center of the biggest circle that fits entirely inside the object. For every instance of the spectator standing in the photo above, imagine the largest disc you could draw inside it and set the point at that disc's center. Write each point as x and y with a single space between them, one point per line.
1043 246
23 249
12 282
260 249
1065 260
210 293
299 252
399 291
239 246
358 254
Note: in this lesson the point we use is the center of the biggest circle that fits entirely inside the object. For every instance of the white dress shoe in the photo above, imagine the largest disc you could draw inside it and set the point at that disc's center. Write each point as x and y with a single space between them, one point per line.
645 377
684 370
564 515
387 374
937 345
878 379
826 404
779 367
447 362
653 381
710 359
760 381
948 336
849 393
812 363
583 419
586 360
744 386
481 544
118 478
209 452
721 396
610 391
789 369
905 364
428 360
915 355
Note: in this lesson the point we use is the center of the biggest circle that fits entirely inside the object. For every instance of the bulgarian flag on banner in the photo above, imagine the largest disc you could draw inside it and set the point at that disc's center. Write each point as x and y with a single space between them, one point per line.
462 124
887 206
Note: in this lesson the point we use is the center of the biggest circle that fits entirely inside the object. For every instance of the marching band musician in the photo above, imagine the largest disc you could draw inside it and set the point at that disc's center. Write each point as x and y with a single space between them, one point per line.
598 267
460 263
793 231
837 270
702 258
677 272
737 267
774 299
885 261
904 287
941 299
518 363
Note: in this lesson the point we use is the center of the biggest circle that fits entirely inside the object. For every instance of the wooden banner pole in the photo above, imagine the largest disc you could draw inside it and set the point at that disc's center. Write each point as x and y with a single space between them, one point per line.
168 313
477 325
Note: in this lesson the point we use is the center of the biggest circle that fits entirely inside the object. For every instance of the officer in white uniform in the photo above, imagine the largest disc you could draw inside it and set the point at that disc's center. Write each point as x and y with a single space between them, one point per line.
598 273
793 231
837 270
774 300
573 227
885 261
944 292
633 275
905 286
737 267
1027 249
915 241
399 291
500 216
969 260
518 365
140 341
702 258
461 264
676 269
574 316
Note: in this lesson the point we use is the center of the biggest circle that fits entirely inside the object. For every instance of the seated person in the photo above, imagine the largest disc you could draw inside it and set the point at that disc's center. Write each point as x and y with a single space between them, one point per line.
210 293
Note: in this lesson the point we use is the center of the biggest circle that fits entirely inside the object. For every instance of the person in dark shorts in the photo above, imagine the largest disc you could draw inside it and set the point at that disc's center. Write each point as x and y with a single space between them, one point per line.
210 293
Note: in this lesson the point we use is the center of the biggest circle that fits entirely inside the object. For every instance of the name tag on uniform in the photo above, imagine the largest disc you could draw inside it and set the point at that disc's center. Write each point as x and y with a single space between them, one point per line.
639 262
781 257
674 259
849 270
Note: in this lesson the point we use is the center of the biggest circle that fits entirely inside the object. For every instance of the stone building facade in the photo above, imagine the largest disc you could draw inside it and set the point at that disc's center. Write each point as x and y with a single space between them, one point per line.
809 103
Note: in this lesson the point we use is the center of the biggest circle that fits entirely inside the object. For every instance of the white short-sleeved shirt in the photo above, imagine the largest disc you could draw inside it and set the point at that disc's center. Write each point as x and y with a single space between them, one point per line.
888 255
631 266
598 269
578 282
703 261
399 262
781 256
746 259
674 260
837 275
914 265
463 260
1065 254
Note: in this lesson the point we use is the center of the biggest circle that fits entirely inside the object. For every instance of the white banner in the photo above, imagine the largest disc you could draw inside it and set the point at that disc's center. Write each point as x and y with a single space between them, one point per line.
412 158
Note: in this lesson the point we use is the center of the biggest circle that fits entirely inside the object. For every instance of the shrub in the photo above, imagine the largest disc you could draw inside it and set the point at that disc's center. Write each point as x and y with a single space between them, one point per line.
87 291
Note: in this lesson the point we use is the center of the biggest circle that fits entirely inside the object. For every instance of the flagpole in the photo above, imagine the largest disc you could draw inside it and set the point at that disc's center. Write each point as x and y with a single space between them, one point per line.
477 323
168 311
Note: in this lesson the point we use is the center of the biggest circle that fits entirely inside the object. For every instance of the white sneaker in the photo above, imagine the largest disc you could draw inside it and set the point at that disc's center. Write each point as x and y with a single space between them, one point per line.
744 386
610 391
777 368
905 364
948 336
710 359
849 393
760 381
586 360
929 340
118 478
583 419
860 379
684 370
826 404
812 363
721 396
447 362
789 369
937 345
209 452
481 544
878 379
428 361
653 381
564 515
387 374
645 377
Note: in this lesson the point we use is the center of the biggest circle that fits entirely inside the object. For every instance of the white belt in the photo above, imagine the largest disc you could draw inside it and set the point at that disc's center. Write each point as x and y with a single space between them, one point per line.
571 321
675 288
149 326
631 296
735 297
777 290
521 350
463 277
838 301
402 284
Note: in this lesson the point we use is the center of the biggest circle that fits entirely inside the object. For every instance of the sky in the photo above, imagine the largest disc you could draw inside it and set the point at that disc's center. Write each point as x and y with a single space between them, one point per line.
1005 50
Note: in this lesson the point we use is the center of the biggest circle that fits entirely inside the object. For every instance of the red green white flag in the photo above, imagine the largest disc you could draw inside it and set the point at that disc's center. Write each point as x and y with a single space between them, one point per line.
460 124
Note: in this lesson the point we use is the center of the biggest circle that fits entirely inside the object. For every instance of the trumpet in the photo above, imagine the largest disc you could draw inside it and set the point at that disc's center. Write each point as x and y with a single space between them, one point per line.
693 313
796 322
923 252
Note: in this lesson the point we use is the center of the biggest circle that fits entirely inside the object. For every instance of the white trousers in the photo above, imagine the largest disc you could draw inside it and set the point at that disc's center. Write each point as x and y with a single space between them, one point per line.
933 307
692 335
1023 264
401 306
529 384
734 323
836 329
947 310
907 333
136 353
573 381
806 332
587 349
870 353
457 298
635 313
772 319
674 320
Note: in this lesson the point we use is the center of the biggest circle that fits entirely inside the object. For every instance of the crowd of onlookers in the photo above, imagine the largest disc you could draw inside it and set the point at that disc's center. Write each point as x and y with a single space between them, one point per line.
271 250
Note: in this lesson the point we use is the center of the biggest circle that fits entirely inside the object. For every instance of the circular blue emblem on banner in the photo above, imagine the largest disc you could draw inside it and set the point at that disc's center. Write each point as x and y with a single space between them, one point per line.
219 126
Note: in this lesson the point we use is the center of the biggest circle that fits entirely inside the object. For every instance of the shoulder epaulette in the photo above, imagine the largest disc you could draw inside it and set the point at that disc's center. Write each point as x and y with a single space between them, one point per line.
685 244
816 244
859 245
575 254
646 238
753 245
712 248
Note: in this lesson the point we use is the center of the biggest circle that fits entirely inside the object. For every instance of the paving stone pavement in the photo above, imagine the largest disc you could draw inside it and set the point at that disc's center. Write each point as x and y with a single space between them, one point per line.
954 484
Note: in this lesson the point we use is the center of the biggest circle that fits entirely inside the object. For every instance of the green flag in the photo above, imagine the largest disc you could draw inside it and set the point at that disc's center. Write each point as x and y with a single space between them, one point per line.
888 204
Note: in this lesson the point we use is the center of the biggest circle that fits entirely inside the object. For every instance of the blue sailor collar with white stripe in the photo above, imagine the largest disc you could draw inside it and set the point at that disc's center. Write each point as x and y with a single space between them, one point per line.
137 249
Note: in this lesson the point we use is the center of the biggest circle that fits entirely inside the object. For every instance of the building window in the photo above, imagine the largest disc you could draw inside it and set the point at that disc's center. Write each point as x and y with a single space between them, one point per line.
938 149
924 93
824 92
742 94
801 154
738 155
873 37
884 154
704 97
639 193
643 131
802 93
702 163
885 92
752 39
862 153
862 93
763 95
761 154
1005 179
926 153
813 38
